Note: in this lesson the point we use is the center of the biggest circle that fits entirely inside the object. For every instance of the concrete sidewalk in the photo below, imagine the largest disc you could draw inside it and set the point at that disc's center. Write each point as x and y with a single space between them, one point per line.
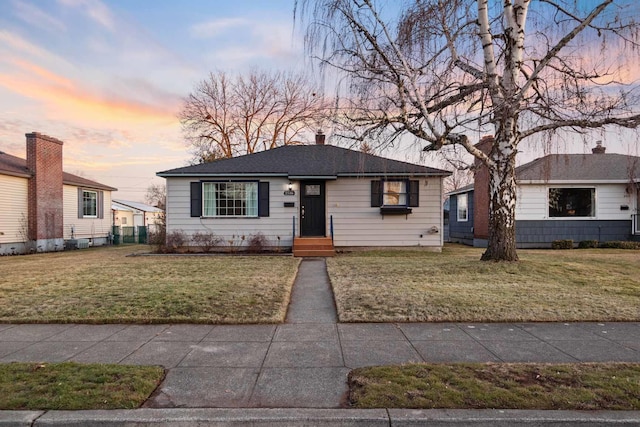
304 363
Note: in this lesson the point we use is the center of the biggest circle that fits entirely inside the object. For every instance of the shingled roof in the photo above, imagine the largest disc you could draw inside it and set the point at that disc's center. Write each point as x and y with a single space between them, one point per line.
581 167
15 166
306 161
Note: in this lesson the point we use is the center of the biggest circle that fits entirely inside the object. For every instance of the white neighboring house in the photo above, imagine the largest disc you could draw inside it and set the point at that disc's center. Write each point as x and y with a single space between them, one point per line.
575 197
127 213
309 194
43 208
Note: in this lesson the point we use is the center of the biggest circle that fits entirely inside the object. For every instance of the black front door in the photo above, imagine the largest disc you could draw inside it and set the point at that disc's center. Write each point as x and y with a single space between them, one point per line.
312 209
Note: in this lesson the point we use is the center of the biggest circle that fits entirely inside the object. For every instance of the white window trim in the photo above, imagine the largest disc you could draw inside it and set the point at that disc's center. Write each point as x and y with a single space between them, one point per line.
466 198
83 214
573 218
257 201
405 194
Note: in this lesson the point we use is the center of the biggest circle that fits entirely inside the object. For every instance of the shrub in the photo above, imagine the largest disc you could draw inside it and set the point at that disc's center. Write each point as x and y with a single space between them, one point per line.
587 244
175 241
620 244
206 240
562 244
158 237
257 243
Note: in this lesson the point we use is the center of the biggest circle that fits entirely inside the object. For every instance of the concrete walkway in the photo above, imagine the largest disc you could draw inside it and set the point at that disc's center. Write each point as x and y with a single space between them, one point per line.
304 363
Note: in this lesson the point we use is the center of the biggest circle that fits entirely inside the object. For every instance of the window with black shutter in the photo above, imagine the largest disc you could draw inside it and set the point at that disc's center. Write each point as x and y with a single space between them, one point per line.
395 196
216 199
263 199
196 199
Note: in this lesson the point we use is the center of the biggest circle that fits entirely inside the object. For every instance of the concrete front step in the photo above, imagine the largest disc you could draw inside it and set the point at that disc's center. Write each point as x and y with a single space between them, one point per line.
313 247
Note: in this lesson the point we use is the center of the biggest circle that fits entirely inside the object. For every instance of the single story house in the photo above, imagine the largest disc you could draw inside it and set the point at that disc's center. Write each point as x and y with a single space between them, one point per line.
559 197
127 213
293 194
43 208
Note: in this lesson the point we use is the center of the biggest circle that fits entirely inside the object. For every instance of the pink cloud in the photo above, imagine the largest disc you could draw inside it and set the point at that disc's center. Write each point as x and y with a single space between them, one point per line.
68 99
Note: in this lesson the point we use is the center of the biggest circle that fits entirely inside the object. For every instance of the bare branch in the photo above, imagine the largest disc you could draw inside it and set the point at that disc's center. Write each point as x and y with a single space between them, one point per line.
225 117
631 122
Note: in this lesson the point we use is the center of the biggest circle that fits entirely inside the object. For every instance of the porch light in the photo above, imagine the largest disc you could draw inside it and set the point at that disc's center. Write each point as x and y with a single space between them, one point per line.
290 186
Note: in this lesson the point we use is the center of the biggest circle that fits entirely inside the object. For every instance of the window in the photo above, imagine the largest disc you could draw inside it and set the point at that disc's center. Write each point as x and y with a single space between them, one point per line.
124 220
463 207
312 190
239 199
572 202
394 193
89 204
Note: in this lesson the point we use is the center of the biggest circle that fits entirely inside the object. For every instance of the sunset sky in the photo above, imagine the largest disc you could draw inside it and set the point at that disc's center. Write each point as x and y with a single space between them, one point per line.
108 78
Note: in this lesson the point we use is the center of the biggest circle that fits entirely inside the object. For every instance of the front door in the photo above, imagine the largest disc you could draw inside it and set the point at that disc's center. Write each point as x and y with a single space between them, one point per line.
312 209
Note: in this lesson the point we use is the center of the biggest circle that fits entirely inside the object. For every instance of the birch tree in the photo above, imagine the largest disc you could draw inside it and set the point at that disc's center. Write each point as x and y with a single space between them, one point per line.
226 116
441 70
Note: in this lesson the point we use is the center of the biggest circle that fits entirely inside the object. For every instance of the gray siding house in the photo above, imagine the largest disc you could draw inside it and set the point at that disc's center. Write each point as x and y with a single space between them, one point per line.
318 194
561 196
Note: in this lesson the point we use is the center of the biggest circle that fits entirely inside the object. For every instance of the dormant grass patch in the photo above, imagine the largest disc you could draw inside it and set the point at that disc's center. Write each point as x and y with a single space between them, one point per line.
582 386
545 285
104 285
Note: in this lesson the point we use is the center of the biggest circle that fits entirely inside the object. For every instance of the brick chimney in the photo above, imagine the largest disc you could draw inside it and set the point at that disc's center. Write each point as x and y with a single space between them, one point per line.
320 137
481 192
45 211
598 149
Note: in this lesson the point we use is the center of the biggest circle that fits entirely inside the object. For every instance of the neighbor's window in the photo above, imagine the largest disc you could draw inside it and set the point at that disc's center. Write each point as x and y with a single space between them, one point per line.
89 203
230 199
394 193
572 202
463 207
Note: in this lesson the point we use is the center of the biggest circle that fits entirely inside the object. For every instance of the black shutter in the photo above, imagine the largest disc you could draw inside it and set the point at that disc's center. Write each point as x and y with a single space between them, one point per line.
376 194
263 198
80 203
196 199
413 190
100 205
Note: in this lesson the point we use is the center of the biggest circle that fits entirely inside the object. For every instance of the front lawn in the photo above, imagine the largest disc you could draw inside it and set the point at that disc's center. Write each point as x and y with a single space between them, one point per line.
104 285
545 286
590 386
72 386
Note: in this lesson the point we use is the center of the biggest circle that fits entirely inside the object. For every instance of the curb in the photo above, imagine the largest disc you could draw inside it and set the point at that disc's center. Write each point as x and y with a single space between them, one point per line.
317 417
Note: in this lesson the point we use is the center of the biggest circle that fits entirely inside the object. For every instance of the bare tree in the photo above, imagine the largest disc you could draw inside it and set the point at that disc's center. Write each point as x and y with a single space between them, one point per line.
227 116
460 177
156 195
440 69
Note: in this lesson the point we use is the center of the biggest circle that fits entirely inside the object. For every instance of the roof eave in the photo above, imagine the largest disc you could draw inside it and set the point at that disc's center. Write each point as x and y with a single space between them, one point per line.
218 175
16 174
461 191
96 186
325 177
407 174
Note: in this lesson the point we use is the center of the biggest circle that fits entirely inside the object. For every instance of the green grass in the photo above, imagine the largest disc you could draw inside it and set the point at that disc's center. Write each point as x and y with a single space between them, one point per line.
104 285
72 386
505 386
546 285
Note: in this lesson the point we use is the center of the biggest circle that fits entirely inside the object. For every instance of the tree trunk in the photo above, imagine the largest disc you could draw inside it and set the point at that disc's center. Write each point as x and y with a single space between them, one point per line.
502 202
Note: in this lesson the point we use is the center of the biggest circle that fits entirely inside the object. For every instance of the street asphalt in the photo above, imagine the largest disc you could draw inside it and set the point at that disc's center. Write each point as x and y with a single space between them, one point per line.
295 373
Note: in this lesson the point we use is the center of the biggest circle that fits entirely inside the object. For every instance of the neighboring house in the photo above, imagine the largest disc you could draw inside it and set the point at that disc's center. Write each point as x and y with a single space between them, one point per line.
134 214
559 196
461 215
304 191
43 208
